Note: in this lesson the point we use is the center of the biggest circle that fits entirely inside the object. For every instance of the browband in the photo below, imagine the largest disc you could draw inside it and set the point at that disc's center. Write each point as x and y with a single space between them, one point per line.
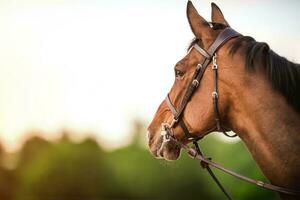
223 37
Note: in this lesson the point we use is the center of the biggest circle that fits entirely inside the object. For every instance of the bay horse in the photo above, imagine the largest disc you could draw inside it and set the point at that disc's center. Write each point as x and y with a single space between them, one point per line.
258 99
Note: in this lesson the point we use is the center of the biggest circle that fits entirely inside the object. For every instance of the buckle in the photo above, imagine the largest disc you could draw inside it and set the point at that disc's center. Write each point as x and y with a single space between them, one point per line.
195 83
174 121
199 66
215 66
164 132
215 95
192 153
260 183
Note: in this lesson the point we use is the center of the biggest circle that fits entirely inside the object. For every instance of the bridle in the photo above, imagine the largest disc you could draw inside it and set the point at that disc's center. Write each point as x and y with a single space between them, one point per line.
195 152
209 55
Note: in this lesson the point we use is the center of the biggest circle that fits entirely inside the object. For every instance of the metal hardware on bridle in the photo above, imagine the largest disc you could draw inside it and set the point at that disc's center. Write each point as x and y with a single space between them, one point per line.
215 96
195 83
215 66
167 128
165 132
199 66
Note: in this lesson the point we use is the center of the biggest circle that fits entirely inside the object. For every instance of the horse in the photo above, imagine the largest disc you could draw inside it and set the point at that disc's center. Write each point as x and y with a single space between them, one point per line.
258 98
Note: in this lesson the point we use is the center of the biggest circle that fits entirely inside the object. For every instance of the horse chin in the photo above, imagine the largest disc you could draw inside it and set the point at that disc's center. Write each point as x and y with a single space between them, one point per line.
163 150
169 151
171 155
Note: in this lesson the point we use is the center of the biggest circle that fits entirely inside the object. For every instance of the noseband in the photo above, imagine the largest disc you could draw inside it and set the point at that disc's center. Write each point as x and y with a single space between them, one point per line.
167 128
209 55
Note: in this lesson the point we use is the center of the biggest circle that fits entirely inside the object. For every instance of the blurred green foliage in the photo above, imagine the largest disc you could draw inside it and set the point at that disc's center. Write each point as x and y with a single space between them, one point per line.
66 170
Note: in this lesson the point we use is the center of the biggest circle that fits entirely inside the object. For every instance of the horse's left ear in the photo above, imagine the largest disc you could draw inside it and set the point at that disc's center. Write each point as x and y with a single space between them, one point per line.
198 24
217 15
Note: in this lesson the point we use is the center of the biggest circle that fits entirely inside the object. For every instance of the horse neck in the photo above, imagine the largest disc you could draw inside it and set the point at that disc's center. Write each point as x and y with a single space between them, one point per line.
270 129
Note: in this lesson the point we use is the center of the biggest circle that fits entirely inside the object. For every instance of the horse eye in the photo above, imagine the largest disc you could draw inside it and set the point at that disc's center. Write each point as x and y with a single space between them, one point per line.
178 73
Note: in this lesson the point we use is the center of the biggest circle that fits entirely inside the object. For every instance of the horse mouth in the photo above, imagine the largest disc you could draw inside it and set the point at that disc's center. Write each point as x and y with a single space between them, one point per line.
164 150
169 151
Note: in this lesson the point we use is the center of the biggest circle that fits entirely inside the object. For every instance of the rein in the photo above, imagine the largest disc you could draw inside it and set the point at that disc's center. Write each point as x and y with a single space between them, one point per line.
196 153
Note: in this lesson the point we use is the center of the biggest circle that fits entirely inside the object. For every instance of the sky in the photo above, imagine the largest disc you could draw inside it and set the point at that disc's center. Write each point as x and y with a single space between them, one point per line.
96 66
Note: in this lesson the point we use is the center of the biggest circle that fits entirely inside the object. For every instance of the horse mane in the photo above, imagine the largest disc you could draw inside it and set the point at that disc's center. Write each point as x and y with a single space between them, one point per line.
283 74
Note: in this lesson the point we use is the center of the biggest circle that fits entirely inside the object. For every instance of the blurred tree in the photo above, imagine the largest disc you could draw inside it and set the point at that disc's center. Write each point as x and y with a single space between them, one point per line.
137 175
7 184
140 176
144 177
138 133
65 171
32 149
7 178
2 152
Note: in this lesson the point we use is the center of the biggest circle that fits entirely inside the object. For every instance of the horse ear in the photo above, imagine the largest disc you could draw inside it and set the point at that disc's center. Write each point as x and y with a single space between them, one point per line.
217 15
198 24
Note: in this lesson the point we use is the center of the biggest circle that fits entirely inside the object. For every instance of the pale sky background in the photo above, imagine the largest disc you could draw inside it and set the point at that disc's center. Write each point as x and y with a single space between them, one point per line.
95 66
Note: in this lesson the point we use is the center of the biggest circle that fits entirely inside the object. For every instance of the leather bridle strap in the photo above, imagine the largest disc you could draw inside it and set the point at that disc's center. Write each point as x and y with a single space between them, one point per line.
202 51
199 156
211 173
215 96
189 136
181 123
223 37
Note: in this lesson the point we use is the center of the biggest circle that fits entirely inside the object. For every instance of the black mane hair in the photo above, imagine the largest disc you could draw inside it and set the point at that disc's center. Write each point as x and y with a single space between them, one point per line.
283 75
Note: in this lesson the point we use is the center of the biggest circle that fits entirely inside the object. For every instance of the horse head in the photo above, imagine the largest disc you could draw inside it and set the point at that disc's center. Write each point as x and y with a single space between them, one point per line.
198 115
